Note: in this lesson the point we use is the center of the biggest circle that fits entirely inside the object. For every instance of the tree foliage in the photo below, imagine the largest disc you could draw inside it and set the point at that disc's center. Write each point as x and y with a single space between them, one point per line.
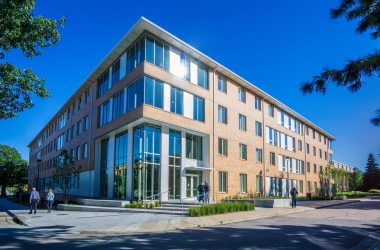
356 180
352 75
13 169
371 177
65 175
20 29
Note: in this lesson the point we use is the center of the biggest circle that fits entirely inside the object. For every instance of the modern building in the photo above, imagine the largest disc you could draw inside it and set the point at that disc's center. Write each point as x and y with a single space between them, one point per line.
158 116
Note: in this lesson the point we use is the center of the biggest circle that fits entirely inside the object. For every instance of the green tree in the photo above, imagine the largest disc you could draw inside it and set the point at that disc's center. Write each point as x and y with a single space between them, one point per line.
371 177
13 169
339 176
356 179
354 71
20 29
65 175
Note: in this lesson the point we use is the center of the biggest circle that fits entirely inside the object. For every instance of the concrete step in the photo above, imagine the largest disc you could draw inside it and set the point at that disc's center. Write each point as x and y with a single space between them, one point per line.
65 207
102 203
179 205
172 208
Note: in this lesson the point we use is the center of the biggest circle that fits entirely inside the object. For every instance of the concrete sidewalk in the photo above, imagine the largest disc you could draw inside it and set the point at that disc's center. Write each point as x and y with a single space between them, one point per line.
129 223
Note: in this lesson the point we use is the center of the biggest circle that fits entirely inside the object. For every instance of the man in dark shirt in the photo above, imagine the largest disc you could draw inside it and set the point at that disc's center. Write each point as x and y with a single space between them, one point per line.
34 199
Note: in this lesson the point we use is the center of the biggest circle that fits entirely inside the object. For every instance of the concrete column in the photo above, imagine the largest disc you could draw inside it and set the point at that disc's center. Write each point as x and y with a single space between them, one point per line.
130 164
111 165
95 177
164 175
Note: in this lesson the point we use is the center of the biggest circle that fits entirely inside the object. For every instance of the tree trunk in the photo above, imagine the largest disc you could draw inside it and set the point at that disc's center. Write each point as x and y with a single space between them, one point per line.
3 191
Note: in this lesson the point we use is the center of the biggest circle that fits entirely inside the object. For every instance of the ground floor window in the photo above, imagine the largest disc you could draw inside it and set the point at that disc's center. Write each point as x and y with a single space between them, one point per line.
243 183
222 181
308 187
259 184
174 182
300 188
315 188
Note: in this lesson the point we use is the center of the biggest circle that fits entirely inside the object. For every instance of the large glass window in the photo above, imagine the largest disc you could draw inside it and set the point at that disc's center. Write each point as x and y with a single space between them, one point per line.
176 100
222 83
222 114
222 181
258 128
104 114
241 94
202 76
174 164
118 105
222 147
103 83
120 170
146 161
146 90
198 109
243 183
243 151
242 123
115 73
258 155
193 147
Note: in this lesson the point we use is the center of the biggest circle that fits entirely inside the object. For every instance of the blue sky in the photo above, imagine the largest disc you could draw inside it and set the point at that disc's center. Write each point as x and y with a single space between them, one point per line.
273 44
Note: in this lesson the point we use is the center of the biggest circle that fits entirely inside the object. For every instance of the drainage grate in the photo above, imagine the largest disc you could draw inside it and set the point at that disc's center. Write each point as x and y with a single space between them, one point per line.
62 214
36 216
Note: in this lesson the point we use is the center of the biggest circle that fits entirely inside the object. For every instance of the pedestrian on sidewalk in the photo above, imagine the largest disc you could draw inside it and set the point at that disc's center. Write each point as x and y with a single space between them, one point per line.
33 200
49 200
207 192
201 190
294 194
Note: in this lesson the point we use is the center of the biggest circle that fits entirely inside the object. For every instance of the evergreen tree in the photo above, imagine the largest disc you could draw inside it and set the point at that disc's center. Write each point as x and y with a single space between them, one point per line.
371 177
352 74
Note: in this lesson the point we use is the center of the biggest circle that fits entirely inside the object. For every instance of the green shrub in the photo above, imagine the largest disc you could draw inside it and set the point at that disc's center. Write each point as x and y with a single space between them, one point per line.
220 208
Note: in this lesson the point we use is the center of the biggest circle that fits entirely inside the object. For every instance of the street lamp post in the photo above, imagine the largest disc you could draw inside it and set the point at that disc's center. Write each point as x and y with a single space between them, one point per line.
355 177
287 170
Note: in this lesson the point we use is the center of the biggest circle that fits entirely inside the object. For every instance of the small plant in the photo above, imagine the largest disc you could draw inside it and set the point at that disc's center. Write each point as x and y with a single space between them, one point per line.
151 205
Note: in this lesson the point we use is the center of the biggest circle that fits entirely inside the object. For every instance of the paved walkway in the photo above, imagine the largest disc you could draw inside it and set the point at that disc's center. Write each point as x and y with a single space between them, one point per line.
126 223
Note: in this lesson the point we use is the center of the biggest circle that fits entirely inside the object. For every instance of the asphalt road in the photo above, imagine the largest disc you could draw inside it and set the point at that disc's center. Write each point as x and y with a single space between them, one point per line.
339 227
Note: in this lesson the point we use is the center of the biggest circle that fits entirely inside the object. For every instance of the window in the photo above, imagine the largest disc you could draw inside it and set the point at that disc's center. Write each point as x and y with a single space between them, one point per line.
68 135
115 73
85 123
68 117
202 76
193 147
299 145
308 187
222 181
78 153
87 96
222 147
308 166
307 130
73 131
259 184
314 151
315 168
301 186
313 134
153 92
61 121
257 103
242 123
272 158
118 105
319 137
176 101
60 141
324 139
80 102
104 114
258 128
243 151
222 83
258 155
74 108
307 148
103 83
73 154
136 54
315 188
198 109
320 154
243 183
241 94
84 151
222 114
79 127
270 110
325 155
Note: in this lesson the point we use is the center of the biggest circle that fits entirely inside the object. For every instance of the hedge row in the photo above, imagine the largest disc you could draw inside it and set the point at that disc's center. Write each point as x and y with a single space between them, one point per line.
220 208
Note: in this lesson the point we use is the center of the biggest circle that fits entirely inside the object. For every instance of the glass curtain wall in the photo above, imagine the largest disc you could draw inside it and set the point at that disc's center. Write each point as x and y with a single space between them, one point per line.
146 90
146 161
174 164
120 171
104 168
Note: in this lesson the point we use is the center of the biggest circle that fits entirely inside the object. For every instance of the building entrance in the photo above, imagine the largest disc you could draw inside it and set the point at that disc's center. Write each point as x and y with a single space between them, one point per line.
192 182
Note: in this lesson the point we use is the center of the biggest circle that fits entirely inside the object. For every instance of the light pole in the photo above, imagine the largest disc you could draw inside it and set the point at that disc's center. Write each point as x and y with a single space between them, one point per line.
287 181
355 177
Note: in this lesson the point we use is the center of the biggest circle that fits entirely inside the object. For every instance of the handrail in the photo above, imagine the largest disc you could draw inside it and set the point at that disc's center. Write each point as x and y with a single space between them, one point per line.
144 201
248 195
186 198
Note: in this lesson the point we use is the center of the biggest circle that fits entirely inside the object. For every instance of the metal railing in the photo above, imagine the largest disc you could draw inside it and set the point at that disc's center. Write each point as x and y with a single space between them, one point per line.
195 198
147 199
245 194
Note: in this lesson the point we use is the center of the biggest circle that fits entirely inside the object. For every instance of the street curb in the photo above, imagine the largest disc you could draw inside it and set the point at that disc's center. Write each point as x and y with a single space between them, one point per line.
15 218
343 203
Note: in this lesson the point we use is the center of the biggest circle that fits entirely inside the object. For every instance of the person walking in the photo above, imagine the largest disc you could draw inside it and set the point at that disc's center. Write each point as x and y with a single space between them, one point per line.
207 193
201 190
49 200
294 194
33 200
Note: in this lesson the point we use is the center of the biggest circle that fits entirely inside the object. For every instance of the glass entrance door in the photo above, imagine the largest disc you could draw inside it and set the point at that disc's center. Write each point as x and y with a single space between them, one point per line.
191 185
120 186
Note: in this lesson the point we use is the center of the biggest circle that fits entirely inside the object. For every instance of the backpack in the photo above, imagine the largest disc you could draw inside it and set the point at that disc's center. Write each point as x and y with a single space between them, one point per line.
292 192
